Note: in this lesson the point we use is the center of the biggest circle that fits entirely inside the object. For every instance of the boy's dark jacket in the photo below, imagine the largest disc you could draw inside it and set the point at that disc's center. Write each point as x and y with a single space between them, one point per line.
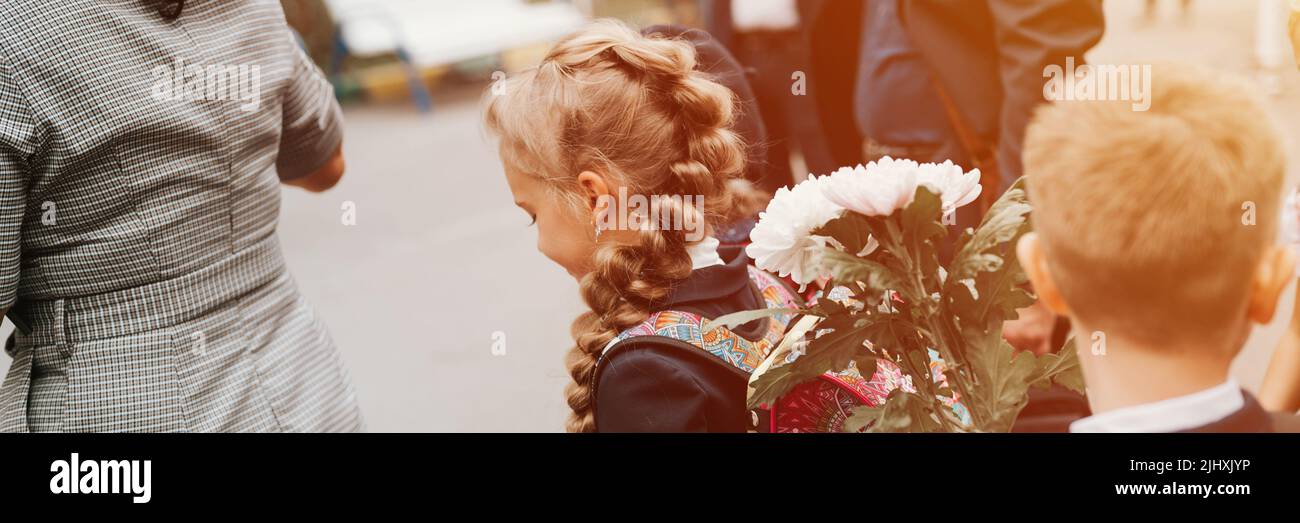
1250 418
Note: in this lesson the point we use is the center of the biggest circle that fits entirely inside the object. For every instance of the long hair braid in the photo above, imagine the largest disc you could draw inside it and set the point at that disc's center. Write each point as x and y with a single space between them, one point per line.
634 107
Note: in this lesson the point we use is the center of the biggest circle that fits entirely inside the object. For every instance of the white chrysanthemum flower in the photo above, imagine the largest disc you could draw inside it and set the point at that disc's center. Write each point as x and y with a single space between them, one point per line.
950 184
783 242
878 189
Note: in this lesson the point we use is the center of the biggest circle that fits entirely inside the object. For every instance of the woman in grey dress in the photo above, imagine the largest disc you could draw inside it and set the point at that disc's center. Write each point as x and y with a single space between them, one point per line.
142 147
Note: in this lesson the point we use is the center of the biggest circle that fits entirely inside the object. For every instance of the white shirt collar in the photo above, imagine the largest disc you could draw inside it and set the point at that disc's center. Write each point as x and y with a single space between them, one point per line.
1181 413
704 253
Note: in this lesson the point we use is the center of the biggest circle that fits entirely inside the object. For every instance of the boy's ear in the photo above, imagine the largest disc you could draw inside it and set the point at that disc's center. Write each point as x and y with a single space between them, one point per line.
1030 252
1276 270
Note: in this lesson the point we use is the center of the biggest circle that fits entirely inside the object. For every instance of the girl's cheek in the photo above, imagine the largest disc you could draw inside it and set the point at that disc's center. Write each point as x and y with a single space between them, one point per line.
555 249
565 240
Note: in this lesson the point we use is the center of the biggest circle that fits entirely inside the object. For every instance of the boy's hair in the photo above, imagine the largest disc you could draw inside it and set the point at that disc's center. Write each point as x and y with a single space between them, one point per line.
1153 223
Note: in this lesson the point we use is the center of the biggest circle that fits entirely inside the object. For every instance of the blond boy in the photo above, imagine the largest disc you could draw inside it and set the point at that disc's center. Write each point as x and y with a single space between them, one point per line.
1155 234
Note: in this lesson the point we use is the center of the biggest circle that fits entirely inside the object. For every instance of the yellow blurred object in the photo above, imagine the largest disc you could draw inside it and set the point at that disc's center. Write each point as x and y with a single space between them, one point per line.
525 57
1293 28
391 83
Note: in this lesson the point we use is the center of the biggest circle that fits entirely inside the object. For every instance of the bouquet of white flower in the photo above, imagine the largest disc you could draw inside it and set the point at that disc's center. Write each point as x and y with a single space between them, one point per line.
872 233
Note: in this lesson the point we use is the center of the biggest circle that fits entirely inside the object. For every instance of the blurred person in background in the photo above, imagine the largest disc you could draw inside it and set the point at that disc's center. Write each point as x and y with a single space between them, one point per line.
1293 29
1280 390
1153 6
959 80
922 79
769 39
714 60
934 81
143 145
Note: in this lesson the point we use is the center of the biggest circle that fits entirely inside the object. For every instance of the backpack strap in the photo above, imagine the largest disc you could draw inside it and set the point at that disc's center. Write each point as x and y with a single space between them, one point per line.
983 155
686 329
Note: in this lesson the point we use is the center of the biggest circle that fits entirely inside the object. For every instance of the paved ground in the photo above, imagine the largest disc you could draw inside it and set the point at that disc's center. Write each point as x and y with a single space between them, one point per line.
440 260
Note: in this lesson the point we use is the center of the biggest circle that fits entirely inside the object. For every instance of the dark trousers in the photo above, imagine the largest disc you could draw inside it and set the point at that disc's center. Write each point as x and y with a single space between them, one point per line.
791 120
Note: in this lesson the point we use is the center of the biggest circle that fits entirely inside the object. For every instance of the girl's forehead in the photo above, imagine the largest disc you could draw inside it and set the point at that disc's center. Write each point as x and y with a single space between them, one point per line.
525 186
515 178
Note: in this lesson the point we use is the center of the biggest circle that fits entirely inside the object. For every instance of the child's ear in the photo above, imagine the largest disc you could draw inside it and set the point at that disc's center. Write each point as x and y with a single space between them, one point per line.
594 186
1276 270
1030 252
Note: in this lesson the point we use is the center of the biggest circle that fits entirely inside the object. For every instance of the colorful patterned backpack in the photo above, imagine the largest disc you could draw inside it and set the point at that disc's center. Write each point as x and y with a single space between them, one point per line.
820 405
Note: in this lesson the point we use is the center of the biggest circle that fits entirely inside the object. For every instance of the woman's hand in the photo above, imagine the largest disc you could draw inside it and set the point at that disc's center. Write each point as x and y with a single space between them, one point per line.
1032 331
1280 391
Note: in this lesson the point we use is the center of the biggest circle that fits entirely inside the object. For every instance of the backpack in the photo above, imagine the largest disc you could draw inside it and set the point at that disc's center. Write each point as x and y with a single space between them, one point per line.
820 405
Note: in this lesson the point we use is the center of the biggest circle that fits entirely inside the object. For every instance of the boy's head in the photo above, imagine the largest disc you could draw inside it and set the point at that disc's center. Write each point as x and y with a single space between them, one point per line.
1159 227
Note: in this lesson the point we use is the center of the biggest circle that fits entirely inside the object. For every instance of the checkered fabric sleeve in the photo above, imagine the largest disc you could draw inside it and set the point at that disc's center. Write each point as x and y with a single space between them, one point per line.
139 165
16 126
312 119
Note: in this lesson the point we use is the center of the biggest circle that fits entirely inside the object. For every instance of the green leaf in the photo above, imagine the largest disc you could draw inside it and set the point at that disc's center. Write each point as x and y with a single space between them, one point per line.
920 220
901 412
839 341
1004 223
735 319
866 364
975 263
851 229
845 267
1007 375
771 379
1061 368
830 352
988 259
1004 378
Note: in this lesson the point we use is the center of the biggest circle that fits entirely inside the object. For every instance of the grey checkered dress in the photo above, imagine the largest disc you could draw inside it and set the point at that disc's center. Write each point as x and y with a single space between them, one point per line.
138 222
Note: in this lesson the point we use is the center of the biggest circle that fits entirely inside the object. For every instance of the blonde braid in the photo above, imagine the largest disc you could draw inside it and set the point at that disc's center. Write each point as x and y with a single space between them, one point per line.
627 283
633 107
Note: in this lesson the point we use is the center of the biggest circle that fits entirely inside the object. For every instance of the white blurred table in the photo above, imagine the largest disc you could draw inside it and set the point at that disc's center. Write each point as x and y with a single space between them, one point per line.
441 32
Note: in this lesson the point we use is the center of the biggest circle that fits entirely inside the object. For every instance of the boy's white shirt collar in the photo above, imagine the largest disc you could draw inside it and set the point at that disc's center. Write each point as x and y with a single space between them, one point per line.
704 253
1181 413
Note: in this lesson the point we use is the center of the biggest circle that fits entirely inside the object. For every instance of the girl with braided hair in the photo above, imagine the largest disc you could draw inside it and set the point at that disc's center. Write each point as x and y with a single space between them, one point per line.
612 112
